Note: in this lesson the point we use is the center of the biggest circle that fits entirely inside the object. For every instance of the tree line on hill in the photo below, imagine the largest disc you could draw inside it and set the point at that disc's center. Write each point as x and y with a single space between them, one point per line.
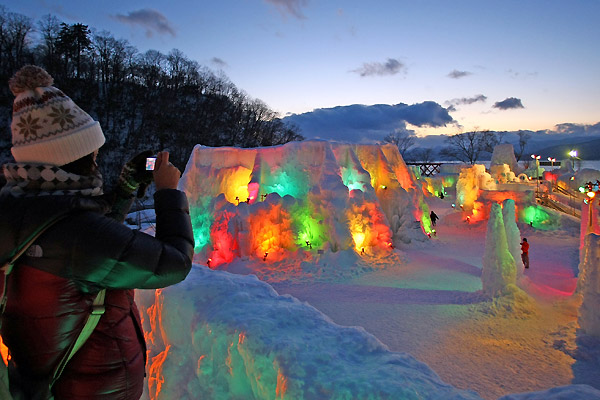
142 100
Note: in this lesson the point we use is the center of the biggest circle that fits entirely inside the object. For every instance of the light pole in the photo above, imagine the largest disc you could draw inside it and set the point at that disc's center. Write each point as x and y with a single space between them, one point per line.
537 173
573 155
552 176
591 196
591 190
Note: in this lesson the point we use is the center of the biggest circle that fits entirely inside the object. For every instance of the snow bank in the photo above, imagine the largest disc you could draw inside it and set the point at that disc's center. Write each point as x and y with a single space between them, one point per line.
590 222
570 392
219 335
223 336
573 180
267 203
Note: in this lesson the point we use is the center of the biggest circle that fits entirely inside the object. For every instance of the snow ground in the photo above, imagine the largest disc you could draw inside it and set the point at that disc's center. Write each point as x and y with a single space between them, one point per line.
430 306
423 300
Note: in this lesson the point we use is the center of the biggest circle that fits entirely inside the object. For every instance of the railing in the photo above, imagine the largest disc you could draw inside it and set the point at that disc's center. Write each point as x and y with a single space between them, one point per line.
427 169
544 200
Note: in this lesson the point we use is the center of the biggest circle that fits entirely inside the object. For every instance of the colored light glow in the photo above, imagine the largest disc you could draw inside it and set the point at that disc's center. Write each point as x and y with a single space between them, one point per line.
224 244
359 239
478 212
309 226
573 153
3 352
448 181
253 188
536 216
235 185
368 228
271 232
202 220
281 387
422 214
591 195
291 182
353 179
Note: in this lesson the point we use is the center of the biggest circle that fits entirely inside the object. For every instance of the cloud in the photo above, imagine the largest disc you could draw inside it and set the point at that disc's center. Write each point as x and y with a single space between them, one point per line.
391 67
291 7
219 62
521 75
464 101
367 124
508 103
152 20
455 74
579 129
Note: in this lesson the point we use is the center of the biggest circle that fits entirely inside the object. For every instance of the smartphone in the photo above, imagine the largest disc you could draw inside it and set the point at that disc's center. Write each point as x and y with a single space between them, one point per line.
150 163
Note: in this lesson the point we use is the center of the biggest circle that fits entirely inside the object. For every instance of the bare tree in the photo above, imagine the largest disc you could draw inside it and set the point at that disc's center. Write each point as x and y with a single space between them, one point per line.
49 28
403 140
523 139
467 147
14 39
421 155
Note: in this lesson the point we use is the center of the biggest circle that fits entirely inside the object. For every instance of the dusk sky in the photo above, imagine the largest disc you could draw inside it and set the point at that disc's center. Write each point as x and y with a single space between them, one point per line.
498 65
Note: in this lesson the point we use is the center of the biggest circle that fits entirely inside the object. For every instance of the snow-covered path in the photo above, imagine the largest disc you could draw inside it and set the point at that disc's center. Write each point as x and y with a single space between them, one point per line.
430 306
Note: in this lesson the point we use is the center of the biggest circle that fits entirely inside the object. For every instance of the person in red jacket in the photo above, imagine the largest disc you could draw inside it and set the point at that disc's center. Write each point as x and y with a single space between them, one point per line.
52 286
525 252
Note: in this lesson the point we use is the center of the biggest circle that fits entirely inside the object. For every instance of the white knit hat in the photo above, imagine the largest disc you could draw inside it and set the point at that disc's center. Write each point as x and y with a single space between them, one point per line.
47 126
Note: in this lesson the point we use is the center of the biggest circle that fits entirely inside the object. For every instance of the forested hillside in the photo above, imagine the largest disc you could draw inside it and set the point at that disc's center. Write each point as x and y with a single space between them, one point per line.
142 100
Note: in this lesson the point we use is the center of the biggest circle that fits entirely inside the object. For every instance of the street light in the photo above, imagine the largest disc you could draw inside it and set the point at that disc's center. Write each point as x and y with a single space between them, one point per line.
592 189
537 172
573 155
552 160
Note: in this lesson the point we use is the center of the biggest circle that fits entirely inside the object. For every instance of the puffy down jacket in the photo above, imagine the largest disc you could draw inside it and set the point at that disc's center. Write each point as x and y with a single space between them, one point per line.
52 288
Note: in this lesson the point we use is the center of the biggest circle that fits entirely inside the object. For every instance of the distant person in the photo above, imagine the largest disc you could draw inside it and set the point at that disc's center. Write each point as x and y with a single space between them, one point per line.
433 217
525 252
50 291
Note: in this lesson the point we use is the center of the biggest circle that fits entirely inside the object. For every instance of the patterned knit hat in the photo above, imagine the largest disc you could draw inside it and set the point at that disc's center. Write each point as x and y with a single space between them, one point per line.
47 126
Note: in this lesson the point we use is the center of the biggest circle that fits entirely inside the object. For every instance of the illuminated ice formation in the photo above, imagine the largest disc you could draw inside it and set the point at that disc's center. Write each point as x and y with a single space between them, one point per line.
499 268
513 234
504 154
503 174
470 181
504 167
588 286
270 202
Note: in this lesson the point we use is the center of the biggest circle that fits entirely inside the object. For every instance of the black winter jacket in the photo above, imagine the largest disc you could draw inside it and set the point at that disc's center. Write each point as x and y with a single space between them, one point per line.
51 289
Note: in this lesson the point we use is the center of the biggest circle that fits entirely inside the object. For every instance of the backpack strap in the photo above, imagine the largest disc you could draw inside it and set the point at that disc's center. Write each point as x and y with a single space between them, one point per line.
90 324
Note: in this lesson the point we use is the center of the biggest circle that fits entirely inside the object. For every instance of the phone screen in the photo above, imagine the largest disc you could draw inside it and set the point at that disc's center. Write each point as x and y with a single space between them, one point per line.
150 162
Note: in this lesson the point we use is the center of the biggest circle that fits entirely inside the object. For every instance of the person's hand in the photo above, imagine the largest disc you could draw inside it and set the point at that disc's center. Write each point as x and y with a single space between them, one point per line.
166 175
134 175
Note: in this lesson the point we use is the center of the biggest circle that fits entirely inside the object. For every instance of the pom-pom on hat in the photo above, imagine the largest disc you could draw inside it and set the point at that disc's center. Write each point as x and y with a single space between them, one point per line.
47 126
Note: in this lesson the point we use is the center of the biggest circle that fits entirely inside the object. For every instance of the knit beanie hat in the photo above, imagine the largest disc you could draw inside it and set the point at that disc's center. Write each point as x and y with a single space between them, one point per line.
47 126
